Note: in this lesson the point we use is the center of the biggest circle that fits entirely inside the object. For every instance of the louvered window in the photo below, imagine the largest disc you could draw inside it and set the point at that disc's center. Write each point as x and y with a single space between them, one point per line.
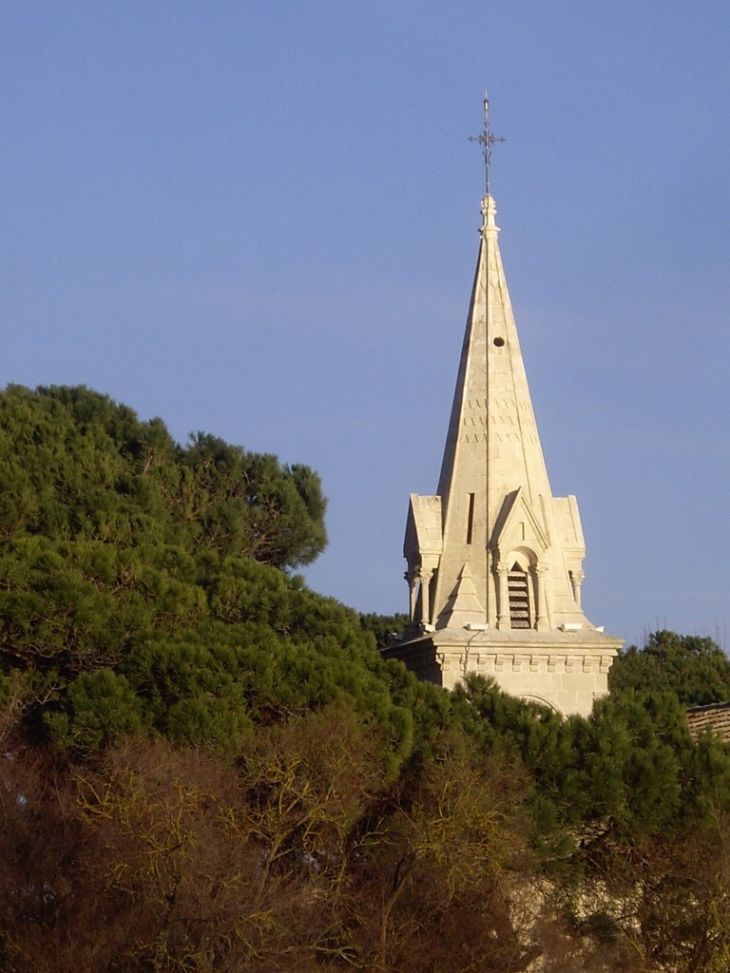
519 598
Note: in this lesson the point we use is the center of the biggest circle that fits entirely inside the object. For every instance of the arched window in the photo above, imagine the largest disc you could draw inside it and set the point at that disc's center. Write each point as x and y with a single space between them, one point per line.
519 598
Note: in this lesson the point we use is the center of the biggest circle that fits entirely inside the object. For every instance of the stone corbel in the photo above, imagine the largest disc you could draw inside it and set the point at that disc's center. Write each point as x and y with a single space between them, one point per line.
449 661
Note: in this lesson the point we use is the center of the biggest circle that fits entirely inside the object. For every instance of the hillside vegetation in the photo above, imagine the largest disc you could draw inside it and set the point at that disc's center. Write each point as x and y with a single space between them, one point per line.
205 766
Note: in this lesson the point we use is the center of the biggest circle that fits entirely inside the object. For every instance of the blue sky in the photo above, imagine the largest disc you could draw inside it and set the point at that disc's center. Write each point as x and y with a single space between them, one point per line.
260 220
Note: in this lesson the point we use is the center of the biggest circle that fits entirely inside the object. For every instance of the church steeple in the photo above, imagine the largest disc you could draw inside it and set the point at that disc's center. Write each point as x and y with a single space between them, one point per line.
493 461
497 508
493 553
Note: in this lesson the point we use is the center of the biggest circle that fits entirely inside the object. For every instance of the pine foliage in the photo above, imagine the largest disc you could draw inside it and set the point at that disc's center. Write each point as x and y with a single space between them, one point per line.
206 766
146 585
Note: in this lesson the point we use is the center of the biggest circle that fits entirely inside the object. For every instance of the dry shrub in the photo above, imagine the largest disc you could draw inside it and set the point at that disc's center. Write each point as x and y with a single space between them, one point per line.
167 859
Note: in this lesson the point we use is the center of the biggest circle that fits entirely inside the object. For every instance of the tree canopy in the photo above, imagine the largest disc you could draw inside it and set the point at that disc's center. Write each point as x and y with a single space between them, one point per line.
206 766
75 466
693 668
143 581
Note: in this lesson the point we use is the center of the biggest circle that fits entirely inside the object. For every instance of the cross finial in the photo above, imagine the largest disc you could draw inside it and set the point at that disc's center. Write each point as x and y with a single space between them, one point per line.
486 140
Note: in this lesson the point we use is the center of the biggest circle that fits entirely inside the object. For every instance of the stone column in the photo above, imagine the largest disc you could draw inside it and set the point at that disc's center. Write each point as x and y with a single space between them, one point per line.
412 579
503 617
576 579
542 623
425 575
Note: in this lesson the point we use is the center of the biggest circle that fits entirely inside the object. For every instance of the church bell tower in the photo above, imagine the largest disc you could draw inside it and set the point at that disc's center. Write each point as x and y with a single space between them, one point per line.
495 562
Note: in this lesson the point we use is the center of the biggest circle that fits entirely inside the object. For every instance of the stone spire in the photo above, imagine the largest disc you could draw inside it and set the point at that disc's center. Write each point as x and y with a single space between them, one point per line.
494 553
497 509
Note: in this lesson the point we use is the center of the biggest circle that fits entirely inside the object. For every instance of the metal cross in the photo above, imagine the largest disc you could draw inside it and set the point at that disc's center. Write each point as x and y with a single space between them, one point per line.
486 140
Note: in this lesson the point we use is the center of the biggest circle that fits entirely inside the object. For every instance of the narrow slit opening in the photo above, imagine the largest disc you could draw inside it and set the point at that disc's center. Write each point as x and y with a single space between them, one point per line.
470 519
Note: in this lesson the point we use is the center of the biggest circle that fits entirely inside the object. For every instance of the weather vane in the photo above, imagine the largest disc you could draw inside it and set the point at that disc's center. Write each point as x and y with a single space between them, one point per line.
486 140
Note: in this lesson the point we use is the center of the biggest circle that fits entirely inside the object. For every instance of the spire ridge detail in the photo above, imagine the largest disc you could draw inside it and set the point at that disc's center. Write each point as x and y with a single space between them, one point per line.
489 212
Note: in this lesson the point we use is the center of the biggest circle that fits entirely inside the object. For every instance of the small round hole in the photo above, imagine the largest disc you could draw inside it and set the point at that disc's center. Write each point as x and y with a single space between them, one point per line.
499 342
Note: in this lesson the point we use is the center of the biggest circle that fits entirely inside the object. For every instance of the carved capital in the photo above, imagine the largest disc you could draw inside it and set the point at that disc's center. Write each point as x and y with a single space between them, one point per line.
576 579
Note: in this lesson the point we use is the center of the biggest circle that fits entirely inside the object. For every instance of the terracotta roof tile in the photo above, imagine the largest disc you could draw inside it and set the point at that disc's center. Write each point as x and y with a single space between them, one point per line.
714 716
